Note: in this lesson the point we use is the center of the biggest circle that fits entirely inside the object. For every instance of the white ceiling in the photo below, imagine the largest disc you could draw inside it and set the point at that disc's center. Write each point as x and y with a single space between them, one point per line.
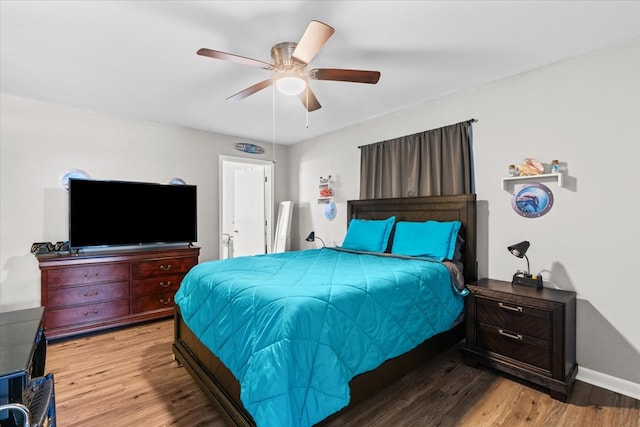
138 58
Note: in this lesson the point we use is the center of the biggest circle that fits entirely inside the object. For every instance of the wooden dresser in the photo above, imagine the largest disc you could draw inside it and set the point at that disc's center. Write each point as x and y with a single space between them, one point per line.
100 290
526 332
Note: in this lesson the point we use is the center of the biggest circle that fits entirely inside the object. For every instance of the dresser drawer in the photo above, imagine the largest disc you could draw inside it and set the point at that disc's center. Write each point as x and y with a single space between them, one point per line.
156 285
162 266
64 297
87 274
514 345
152 302
86 313
519 318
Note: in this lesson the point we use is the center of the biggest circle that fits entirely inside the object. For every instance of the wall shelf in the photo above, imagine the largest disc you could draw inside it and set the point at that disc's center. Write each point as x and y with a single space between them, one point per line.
325 185
322 200
545 177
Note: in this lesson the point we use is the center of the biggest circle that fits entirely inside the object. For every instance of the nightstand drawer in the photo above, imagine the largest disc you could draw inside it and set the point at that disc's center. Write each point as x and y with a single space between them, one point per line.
518 318
514 345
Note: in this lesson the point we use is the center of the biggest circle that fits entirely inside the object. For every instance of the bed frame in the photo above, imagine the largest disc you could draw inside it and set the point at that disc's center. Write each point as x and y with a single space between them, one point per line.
219 384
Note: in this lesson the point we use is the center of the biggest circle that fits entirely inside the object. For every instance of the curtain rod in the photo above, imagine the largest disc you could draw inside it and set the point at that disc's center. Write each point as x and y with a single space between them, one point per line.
467 121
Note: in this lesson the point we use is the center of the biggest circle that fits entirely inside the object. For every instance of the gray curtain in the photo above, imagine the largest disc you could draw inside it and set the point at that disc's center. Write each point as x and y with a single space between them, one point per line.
436 162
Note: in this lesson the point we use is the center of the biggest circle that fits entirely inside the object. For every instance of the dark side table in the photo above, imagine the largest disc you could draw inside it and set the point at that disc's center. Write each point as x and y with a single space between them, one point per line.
525 332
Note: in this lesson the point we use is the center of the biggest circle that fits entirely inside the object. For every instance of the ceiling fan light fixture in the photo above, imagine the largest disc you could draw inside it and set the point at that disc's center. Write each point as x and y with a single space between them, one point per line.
290 85
290 72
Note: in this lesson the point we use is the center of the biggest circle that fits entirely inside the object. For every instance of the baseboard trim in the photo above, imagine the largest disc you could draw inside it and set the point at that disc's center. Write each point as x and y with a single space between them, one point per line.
614 384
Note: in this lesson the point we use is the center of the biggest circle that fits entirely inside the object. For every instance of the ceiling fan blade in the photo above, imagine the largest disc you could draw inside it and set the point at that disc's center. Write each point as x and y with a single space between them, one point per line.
250 90
234 58
356 76
312 104
314 37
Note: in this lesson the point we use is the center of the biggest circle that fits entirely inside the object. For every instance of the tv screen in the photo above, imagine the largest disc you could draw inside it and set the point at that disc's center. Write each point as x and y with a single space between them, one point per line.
119 213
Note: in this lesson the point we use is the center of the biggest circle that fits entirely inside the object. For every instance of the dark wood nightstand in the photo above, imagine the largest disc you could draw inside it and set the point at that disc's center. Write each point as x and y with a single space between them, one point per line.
526 332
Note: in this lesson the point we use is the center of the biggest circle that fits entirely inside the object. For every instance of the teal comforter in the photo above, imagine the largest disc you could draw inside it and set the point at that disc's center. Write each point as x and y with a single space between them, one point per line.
294 328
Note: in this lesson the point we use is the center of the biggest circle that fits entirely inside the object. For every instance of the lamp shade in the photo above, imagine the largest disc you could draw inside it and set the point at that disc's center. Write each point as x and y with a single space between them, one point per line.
519 249
312 238
290 85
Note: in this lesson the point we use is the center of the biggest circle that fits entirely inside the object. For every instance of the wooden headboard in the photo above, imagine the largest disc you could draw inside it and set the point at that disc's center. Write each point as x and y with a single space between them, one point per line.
438 208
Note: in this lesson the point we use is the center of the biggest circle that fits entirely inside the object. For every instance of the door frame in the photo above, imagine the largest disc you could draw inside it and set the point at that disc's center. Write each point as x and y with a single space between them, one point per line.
224 186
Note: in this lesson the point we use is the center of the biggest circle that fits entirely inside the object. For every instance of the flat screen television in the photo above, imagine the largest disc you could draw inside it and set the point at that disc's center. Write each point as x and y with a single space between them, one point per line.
121 213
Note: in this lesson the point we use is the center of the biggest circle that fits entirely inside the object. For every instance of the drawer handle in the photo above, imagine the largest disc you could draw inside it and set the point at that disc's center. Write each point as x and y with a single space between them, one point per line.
165 285
92 294
507 334
165 267
86 313
165 302
508 307
87 275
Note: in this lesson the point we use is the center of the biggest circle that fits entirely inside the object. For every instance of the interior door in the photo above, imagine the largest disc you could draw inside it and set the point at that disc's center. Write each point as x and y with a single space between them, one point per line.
249 222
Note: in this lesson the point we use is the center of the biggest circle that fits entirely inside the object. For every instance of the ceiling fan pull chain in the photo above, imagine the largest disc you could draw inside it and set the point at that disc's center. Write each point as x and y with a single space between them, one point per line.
273 120
307 103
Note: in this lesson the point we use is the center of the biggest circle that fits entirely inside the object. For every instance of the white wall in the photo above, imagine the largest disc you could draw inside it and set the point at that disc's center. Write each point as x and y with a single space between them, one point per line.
585 112
40 141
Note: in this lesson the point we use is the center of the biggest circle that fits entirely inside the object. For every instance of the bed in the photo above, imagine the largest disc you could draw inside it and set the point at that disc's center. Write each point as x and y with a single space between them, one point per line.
215 378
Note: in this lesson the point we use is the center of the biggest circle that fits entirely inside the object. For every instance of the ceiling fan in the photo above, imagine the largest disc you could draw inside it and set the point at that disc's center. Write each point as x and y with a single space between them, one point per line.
290 70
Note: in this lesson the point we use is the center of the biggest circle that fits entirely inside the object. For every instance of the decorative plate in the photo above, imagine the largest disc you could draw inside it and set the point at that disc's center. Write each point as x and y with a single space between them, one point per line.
330 211
532 200
72 173
177 181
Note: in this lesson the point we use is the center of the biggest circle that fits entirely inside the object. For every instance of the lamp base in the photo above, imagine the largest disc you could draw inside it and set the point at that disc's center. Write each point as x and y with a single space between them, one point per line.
522 278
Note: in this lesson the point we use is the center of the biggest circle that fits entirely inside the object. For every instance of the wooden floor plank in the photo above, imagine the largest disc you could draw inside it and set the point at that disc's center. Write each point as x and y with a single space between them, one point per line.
127 377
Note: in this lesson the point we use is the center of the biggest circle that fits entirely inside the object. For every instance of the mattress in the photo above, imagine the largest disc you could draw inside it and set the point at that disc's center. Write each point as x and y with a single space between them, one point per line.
294 328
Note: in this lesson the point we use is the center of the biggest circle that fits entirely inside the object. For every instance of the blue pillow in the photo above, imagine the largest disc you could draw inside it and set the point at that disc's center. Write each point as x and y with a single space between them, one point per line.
432 239
368 235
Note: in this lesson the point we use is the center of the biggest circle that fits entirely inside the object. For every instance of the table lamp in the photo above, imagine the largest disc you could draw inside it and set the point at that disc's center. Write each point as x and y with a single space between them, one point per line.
312 237
524 278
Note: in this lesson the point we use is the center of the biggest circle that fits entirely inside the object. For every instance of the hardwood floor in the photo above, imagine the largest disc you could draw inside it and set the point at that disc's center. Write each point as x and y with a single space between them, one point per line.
128 378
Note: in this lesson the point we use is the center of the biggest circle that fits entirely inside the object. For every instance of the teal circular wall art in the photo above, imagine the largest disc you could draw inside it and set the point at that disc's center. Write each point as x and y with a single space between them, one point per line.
330 211
72 174
532 200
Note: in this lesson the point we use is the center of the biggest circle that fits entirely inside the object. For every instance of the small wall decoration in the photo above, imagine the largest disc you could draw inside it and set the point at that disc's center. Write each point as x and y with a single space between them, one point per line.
72 173
245 147
326 192
532 200
177 181
330 211
530 167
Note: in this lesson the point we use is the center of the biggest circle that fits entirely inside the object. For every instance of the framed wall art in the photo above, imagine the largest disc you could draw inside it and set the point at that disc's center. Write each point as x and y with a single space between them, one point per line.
532 200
